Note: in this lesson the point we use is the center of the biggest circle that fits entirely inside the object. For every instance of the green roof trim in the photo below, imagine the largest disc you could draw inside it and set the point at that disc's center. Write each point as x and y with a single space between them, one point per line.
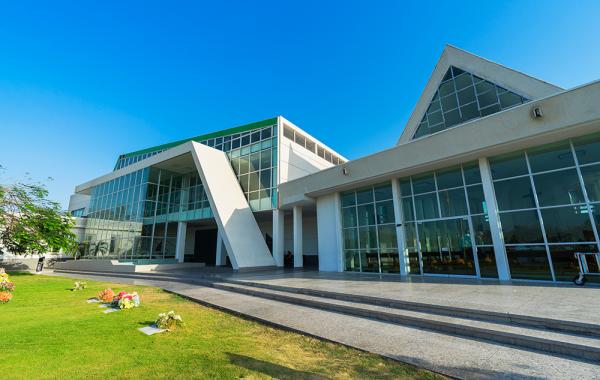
225 132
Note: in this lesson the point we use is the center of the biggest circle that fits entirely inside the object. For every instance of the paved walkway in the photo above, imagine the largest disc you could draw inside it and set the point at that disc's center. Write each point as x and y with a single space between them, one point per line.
447 354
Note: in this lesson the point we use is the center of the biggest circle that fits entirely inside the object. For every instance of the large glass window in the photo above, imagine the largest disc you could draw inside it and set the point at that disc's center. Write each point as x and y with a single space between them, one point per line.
369 230
462 97
445 223
545 212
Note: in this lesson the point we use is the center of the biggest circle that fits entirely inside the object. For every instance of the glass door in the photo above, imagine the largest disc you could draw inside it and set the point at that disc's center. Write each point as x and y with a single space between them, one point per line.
446 247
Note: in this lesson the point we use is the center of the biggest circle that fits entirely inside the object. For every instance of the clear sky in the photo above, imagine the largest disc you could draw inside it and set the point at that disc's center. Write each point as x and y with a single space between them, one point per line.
82 82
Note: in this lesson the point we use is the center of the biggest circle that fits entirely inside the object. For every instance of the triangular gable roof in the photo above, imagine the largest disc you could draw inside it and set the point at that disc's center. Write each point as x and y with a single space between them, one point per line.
512 80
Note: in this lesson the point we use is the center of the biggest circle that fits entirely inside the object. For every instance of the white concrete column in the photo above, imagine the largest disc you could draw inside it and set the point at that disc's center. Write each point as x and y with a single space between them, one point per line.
298 252
495 227
220 257
403 254
278 236
180 244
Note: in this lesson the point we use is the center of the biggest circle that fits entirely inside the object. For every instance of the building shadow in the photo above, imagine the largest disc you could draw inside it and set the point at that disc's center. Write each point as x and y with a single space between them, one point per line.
270 369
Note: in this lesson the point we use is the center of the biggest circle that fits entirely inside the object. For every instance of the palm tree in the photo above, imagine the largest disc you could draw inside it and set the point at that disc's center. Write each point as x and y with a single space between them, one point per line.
100 248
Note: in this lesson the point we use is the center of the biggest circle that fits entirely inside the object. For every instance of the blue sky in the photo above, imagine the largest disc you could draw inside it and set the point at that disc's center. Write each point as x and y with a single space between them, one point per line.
82 82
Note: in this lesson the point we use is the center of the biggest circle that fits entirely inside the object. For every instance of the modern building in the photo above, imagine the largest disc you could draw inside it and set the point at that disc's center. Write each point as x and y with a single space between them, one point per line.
495 175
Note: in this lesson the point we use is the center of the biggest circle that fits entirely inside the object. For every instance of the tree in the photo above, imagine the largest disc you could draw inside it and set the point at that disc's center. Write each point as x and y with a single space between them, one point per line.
30 223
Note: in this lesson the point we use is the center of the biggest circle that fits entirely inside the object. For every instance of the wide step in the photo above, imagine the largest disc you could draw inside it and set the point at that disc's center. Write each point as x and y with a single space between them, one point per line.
554 342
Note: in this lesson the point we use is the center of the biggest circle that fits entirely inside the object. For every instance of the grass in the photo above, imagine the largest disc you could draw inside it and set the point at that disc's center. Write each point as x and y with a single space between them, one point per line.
48 331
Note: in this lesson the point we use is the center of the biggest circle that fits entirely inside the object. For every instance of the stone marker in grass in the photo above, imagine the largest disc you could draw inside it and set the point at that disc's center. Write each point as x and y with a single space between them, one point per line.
151 330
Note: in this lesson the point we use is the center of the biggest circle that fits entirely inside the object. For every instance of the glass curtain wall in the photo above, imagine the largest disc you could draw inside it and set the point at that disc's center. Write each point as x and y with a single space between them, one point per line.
548 200
369 230
135 216
445 221
253 157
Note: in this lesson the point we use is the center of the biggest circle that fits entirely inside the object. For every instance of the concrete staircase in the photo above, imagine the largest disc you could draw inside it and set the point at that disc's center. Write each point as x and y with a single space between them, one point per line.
551 336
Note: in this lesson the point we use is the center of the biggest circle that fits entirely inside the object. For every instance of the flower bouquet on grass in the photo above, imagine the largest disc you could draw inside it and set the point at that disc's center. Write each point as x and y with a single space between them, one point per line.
6 287
106 295
79 285
125 300
168 321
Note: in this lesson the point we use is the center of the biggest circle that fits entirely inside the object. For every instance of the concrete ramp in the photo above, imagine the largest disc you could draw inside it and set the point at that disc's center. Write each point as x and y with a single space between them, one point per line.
242 237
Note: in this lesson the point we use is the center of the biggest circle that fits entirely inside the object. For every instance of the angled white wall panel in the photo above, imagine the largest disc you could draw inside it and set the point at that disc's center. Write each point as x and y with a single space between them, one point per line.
240 232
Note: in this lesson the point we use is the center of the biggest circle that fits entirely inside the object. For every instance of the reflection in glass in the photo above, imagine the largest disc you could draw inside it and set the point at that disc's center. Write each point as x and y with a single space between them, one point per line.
591 178
352 261
567 224
587 149
550 157
453 202
487 262
558 188
426 206
390 262
508 166
446 247
528 262
521 227
369 260
565 264
514 194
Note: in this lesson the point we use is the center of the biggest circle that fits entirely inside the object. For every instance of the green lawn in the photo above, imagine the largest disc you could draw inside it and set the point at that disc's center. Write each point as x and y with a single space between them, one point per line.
48 331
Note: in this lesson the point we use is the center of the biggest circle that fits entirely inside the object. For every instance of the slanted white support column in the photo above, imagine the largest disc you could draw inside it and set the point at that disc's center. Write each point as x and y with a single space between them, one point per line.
278 236
403 255
180 245
495 227
298 237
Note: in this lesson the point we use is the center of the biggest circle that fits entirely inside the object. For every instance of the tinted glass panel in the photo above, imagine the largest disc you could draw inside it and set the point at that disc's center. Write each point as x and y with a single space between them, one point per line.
387 236
449 178
550 157
591 178
446 247
587 149
423 184
349 217
472 174
369 261
453 202
481 226
514 194
521 227
366 215
564 261
567 224
558 188
405 188
352 261
390 262
528 262
383 192
364 196
508 166
407 209
350 238
476 199
487 262
426 206
385 212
